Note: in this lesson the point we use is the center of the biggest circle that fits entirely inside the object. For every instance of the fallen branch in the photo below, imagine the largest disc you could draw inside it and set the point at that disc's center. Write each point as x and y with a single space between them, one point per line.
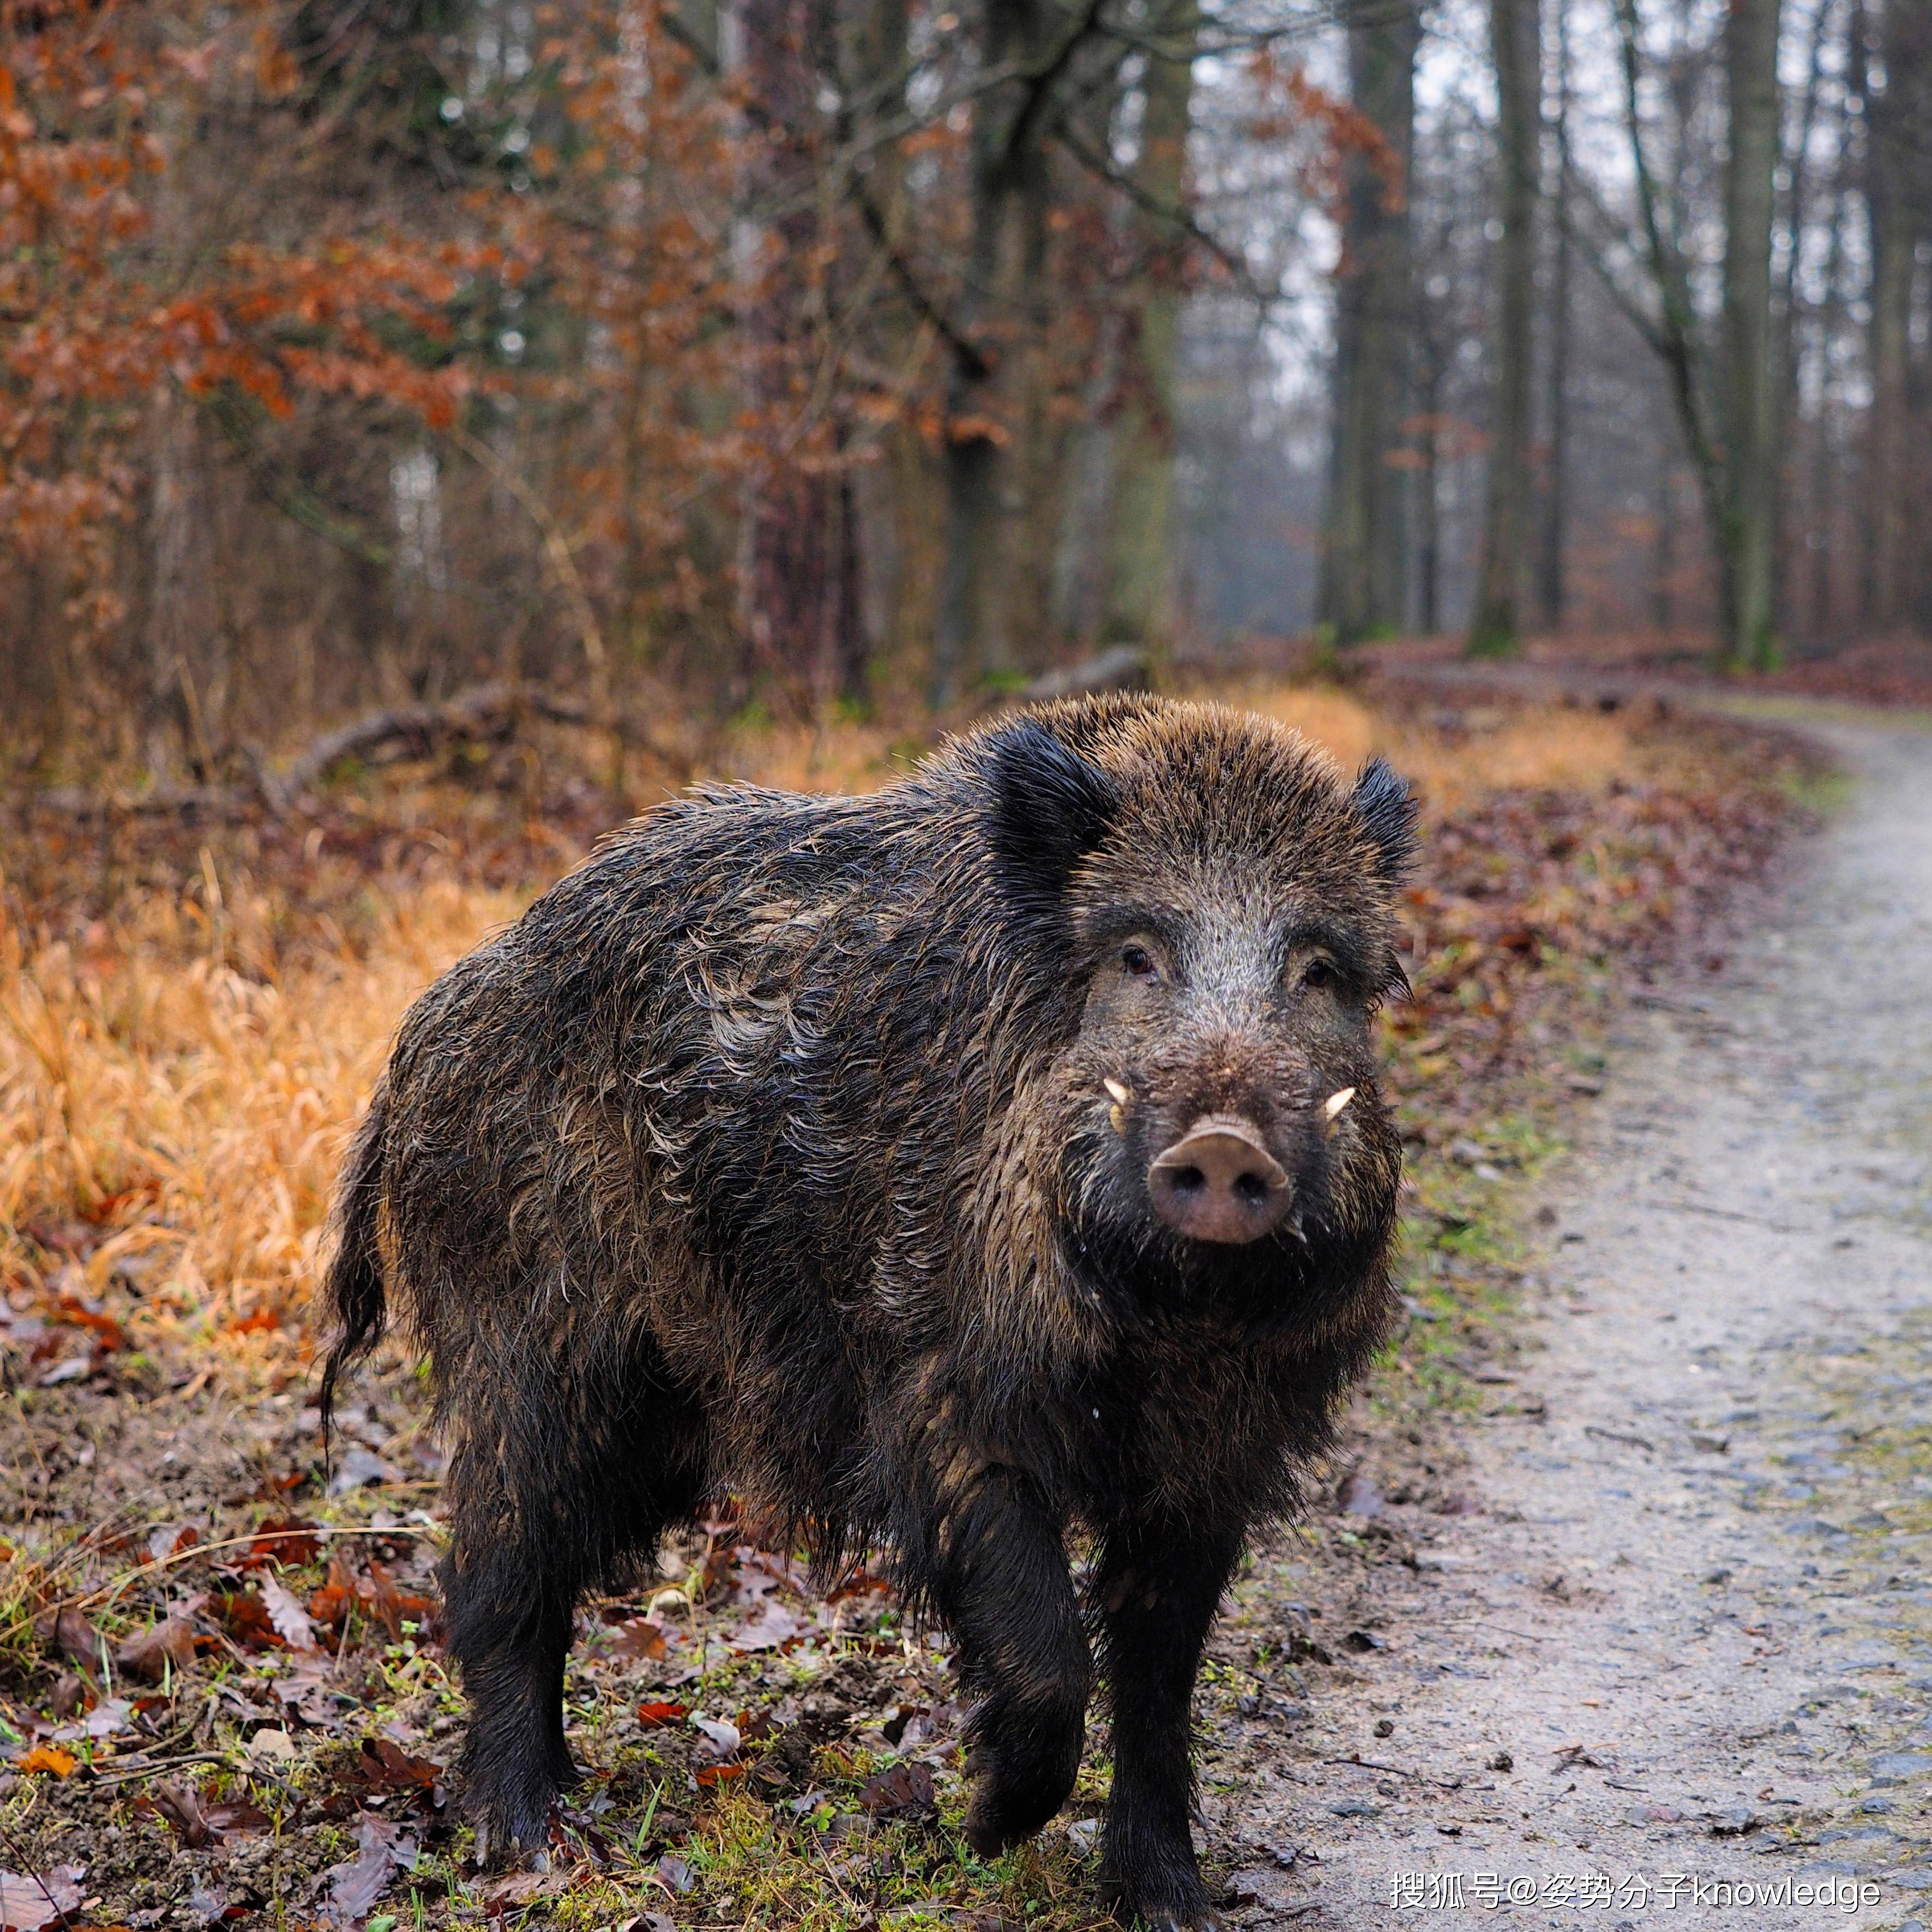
476 713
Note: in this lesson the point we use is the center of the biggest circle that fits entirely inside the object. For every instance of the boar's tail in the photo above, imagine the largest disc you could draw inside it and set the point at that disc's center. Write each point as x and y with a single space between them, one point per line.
353 1293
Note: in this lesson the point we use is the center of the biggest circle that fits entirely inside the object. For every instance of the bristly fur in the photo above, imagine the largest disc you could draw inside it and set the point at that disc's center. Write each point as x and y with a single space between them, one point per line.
760 1155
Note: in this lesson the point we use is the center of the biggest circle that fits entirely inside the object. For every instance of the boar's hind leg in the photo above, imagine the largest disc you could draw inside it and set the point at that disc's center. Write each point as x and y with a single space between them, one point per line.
1002 1586
1155 1591
555 1489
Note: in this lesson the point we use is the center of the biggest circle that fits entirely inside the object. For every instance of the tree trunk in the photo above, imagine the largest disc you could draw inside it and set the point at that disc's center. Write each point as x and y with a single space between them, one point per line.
986 390
798 580
1798 226
1749 391
1429 542
1140 548
1556 496
1497 627
884 507
1895 164
1364 561
180 616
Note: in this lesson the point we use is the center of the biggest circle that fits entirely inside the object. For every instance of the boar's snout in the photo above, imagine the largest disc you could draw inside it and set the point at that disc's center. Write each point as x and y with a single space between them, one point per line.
1218 1183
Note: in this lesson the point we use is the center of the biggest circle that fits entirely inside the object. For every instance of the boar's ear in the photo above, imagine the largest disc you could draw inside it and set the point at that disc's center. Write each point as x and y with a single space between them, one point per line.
1049 808
1382 802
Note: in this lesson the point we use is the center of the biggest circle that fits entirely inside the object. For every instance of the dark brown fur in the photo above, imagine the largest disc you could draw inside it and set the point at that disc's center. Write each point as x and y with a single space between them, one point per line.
770 1152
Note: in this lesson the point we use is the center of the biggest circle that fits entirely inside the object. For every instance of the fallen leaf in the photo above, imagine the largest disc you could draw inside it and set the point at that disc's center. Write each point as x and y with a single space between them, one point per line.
288 1539
357 1883
718 1773
47 1757
180 1810
146 1657
245 1617
291 1622
392 1607
904 1792
336 1598
108 1719
72 1692
386 1766
67 1632
520 1887
773 1626
27 1903
236 1815
722 1737
654 1716
636 1636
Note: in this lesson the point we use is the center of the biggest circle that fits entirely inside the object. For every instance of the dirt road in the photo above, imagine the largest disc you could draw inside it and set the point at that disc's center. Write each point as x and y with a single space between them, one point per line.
1684 1645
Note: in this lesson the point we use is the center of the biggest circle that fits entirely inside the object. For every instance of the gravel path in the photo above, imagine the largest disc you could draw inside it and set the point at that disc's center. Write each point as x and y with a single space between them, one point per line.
1683 1645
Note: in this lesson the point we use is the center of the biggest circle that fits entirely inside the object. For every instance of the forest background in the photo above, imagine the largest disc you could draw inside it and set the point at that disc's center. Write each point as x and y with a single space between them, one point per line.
769 358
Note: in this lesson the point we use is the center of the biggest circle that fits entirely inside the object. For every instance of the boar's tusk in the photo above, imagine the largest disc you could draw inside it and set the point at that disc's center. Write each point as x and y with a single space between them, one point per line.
1331 1108
1116 1091
1118 1121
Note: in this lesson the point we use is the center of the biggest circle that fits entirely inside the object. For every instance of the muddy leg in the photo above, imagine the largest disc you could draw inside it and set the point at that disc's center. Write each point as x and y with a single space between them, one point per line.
1004 1589
509 1620
1156 1591
555 1498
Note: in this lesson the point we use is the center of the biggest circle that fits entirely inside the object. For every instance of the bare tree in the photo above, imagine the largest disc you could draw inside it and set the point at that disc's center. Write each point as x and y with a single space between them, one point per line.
1749 389
800 577
1515 41
1007 255
1364 558
1555 532
1899 108
1140 539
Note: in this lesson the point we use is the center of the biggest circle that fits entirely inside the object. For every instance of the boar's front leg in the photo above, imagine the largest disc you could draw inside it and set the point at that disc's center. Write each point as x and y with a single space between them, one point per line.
1003 1586
1156 1590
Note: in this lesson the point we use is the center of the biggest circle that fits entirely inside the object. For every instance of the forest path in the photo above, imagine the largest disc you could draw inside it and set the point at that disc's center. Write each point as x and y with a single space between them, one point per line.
1688 1633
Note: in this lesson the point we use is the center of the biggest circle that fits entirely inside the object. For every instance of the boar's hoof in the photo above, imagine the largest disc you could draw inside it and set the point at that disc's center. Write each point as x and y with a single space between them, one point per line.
1007 1810
1159 1892
1173 1916
1021 1775
511 1830
1217 1182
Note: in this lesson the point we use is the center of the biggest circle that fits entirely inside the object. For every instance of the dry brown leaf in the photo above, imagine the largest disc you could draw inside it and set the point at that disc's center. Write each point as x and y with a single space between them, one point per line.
29 1901
146 1657
291 1622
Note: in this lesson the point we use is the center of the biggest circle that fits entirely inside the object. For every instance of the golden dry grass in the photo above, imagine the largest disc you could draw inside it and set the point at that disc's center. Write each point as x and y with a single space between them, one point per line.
185 1086
1546 748
195 1113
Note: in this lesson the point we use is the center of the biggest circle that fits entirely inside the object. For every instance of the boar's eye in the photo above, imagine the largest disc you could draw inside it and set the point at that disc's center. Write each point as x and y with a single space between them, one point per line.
1321 972
1137 963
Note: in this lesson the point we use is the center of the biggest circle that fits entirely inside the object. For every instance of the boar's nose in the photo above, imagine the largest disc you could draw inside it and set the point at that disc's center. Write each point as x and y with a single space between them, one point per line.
1217 1182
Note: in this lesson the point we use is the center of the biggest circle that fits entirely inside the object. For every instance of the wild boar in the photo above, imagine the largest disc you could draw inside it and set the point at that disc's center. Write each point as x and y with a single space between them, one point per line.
991 1163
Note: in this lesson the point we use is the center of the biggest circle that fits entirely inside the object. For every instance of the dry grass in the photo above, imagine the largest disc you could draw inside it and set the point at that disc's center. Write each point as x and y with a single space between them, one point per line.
196 1114
176 1085
1547 748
